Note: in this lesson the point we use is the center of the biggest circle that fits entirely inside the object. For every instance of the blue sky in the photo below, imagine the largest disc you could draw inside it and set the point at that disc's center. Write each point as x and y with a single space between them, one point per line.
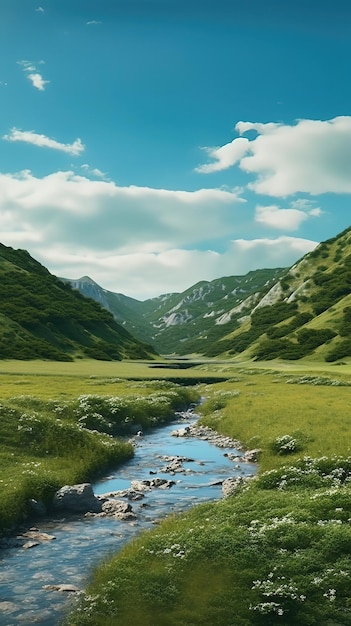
151 144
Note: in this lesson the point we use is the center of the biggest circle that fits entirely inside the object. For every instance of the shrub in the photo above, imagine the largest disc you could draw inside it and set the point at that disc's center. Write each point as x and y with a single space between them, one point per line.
286 444
340 351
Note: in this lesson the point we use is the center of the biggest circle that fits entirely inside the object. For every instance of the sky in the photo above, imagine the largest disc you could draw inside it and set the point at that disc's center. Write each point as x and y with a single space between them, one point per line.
151 144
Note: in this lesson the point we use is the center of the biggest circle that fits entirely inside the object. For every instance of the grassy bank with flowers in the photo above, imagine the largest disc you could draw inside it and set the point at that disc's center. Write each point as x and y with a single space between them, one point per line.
72 436
276 552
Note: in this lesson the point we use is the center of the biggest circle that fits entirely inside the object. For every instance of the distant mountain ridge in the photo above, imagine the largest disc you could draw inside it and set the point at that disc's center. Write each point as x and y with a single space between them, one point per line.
42 317
288 313
170 321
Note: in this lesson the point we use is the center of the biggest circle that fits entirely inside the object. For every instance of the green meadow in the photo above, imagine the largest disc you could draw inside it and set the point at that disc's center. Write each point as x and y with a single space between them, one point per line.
276 552
67 423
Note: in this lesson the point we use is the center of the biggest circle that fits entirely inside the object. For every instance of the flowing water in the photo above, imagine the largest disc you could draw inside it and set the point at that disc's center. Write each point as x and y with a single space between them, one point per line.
81 542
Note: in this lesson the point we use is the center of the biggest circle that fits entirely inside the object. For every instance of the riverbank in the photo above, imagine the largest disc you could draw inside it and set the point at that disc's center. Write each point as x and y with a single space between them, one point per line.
48 443
45 567
276 552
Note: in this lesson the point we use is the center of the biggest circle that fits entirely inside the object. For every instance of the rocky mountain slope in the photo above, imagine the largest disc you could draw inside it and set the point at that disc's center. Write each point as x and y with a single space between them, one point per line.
42 317
173 322
304 311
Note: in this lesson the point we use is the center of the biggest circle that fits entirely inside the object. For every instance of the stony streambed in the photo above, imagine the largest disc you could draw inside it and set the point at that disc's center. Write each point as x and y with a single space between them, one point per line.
44 568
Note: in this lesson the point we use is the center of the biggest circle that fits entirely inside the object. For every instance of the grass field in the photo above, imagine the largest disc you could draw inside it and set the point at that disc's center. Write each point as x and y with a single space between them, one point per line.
277 552
49 379
63 425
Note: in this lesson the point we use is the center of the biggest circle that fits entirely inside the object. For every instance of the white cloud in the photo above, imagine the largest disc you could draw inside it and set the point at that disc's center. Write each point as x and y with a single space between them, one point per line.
225 156
284 219
40 10
105 216
310 156
93 22
303 204
135 240
37 81
94 171
33 75
147 274
244 127
317 212
29 136
280 252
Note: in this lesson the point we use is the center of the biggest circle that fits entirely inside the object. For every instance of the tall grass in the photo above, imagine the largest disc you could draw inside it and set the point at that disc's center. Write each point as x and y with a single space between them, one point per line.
278 552
313 410
46 443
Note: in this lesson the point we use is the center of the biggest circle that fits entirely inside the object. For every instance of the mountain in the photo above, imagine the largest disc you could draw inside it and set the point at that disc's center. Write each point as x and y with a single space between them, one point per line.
288 313
185 322
42 317
306 313
126 311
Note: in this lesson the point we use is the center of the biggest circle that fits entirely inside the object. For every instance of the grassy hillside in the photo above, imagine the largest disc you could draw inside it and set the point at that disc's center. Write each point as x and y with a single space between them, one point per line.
41 317
126 311
307 313
182 323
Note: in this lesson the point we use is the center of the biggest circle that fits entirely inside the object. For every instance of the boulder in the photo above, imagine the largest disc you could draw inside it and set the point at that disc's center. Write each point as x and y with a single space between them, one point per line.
77 499
35 534
182 432
251 456
232 485
162 483
30 544
140 485
116 506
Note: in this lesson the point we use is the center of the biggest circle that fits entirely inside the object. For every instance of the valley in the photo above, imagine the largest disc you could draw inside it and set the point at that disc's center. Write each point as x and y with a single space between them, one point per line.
292 313
269 355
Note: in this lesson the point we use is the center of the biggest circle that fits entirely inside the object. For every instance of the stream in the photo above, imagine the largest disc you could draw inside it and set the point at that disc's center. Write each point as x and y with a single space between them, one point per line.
81 542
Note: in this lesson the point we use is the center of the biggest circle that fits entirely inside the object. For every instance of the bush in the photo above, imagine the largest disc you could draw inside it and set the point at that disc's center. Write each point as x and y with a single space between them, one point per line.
286 444
341 350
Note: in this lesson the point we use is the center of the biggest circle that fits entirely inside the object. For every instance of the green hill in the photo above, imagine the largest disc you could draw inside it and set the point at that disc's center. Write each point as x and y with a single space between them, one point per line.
181 323
42 317
304 311
126 311
307 313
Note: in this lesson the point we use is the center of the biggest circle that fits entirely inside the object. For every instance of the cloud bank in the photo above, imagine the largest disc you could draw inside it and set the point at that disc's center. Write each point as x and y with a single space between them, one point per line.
310 156
136 240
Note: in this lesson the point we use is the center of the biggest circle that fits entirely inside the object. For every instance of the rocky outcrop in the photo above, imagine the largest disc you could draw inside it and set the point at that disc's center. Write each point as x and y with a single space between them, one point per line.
26 540
250 456
77 499
118 509
232 485
221 441
175 465
207 434
181 432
